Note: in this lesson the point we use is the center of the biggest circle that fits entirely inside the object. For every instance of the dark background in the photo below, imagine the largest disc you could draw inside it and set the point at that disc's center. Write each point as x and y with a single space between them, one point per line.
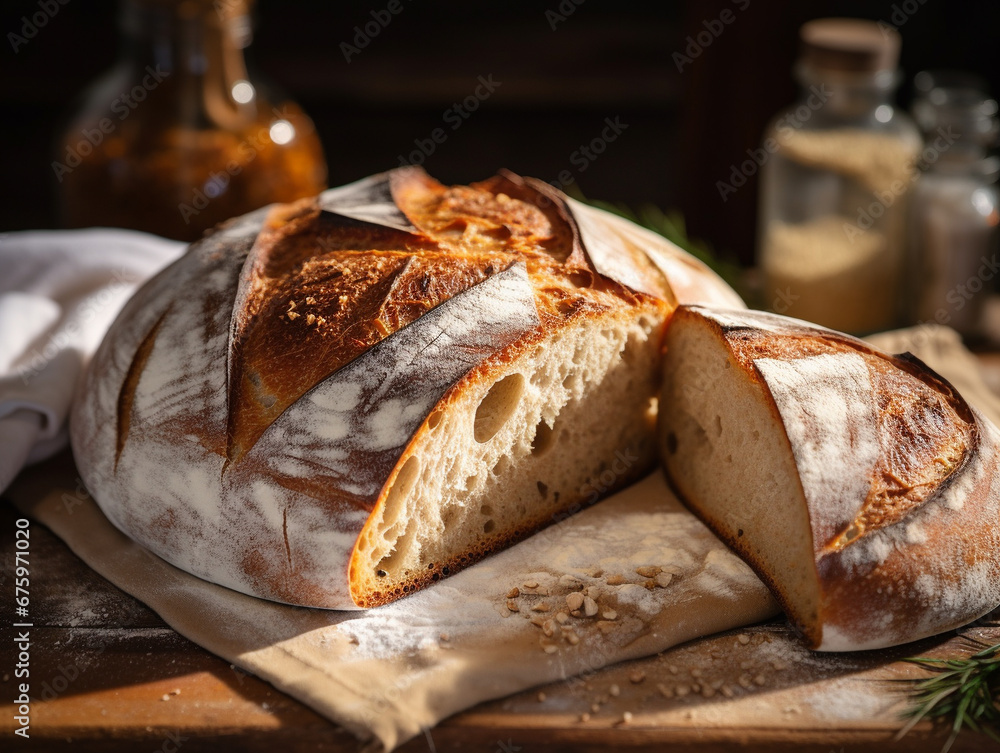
606 59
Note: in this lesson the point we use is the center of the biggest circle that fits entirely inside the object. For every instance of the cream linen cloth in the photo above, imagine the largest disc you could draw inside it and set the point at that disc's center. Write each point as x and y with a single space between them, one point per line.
646 574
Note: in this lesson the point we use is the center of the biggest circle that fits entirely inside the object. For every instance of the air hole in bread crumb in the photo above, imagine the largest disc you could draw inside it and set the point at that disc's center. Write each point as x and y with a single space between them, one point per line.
405 480
498 406
631 349
567 306
434 419
718 426
500 466
488 526
543 489
671 443
543 439
486 510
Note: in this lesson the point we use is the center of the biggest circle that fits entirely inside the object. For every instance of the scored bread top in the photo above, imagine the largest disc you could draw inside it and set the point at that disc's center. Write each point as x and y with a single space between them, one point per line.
247 408
315 312
899 475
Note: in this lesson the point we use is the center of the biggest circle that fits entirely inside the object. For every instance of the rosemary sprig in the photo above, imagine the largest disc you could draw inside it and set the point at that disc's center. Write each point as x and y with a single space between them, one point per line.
965 692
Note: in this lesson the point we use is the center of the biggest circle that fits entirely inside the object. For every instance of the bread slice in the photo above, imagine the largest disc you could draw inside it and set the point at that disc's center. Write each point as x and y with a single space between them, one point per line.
338 401
860 486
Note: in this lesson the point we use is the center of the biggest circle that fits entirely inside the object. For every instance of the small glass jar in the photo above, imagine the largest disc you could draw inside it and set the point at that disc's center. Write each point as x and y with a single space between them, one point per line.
955 211
833 190
176 137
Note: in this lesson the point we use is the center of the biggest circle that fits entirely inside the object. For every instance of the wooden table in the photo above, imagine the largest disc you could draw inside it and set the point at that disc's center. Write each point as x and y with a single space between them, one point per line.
109 675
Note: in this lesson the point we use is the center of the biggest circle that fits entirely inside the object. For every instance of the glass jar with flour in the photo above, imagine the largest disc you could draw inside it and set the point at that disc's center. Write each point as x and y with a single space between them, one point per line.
832 219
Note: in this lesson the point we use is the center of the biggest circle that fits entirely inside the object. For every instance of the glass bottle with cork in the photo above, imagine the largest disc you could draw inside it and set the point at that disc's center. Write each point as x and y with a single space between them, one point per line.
832 217
176 137
955 212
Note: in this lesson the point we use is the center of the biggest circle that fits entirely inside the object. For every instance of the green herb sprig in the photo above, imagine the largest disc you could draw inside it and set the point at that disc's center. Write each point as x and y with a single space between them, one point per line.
965 692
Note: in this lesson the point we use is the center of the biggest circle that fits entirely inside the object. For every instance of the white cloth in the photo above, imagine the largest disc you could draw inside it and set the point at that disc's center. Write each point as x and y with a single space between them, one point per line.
59 293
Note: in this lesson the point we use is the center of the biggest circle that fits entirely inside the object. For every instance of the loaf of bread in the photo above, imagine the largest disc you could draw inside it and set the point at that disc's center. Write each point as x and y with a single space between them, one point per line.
859 485
335 402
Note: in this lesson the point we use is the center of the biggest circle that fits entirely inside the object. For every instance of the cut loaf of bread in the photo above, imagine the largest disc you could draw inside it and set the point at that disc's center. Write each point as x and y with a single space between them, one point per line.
335 402
860 486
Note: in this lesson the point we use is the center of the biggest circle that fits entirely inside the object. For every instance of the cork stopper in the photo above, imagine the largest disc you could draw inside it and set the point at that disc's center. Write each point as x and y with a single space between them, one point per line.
849 45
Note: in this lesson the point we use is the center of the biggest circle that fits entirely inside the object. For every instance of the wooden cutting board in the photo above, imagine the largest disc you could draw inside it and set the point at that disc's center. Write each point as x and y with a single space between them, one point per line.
109 675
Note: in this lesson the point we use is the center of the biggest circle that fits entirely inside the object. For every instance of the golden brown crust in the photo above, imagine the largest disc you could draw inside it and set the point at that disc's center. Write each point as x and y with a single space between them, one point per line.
319 289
